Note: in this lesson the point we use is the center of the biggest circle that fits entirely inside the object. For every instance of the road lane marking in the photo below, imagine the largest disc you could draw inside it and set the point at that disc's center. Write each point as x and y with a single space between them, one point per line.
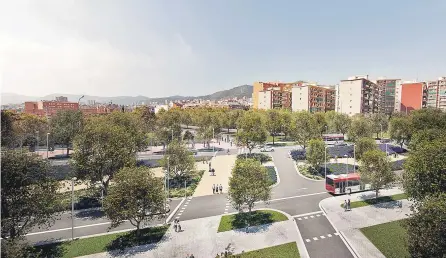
312 217
299 218
322 237
307 214
314 238
329 235
308 240
292 197
305 217
336 234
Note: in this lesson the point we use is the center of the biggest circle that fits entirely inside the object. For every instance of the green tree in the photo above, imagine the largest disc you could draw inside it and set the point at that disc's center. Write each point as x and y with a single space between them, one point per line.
209 125
360 127
380 123
8 120
137 196
427 227
65 125
169 125
286 122
273 122
321 122
316 153
188 136
134 127
400 129
424 170
179 160
101 149
330 117
421 137
29 129
363 145
249 184
428 118
28 194
148 118
376 169
304 128
342 123
252 130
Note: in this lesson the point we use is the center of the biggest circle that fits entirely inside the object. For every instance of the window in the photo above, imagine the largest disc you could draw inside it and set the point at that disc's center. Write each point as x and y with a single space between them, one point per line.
329 181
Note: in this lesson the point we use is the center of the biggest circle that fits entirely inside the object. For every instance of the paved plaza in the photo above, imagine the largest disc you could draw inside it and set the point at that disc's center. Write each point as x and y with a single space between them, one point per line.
201 239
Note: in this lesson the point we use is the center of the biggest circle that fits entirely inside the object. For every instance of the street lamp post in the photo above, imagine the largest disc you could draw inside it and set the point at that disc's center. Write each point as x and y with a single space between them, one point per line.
213 136
168 170
72 207
47 144
354 158
325 163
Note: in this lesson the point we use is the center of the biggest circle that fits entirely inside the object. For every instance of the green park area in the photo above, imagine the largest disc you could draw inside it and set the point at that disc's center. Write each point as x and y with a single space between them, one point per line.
288 250
390 238
105 243
378 200
255 218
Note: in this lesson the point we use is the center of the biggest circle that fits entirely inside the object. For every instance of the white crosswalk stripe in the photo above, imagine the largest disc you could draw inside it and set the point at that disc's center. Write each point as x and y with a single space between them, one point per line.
308 240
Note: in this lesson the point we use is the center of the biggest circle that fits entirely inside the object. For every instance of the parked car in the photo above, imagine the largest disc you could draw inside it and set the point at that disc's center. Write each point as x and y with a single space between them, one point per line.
267 149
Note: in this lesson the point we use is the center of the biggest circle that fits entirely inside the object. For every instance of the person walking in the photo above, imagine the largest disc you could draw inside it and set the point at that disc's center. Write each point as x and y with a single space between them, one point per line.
216 189
179 226
221 188
175 226
213 171
345 205
213 189
348 204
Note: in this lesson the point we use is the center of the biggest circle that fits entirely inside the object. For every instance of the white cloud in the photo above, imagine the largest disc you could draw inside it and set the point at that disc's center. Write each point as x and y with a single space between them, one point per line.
51 50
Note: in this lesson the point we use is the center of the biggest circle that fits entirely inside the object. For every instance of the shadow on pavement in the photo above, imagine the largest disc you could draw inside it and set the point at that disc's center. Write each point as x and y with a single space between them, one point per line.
90 214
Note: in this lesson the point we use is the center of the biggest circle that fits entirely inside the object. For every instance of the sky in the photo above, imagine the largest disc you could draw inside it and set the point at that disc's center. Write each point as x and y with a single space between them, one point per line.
196 47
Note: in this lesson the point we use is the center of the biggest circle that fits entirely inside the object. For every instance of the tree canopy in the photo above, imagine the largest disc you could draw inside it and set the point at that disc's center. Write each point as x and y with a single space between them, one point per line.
360 127
363 145
376 169
274 122
28 193
400 129
251 129
178 160
65 125
316 153
249 183
137 196
304 128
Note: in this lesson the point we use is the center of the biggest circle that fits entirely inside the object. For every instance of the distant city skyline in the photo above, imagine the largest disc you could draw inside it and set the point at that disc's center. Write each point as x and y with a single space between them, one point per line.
160 49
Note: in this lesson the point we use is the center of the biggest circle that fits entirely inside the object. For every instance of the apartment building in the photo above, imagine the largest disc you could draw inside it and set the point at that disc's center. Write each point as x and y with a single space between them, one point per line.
313 98
47 109
274 98
357 95
389 95
436 93
413 96
277 89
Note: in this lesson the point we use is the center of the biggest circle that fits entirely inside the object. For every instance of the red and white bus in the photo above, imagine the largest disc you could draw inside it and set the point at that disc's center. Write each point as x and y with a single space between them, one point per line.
333 137
345 183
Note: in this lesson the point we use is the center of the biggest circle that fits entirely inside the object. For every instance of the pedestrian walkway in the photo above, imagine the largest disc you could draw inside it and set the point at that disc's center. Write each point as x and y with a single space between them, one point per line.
223 166
200 238
349 222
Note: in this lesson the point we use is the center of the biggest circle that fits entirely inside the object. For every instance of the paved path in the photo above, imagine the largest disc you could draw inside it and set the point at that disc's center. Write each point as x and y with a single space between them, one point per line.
200 238
349 222
223 165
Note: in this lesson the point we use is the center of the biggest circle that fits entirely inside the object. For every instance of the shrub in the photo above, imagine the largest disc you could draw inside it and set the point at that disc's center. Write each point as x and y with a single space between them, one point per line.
261 157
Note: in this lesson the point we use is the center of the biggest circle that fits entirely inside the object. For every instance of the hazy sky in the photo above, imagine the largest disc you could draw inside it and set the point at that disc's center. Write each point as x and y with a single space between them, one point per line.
194 47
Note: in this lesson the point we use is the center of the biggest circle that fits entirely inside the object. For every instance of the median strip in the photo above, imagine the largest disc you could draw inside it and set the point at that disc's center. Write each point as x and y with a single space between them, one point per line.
378 200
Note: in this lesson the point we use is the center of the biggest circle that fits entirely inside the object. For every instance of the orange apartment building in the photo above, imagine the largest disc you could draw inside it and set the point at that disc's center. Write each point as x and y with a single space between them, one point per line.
269 95
313 98
413 96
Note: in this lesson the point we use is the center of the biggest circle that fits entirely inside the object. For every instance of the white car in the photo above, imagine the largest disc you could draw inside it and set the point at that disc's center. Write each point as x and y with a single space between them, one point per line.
267 149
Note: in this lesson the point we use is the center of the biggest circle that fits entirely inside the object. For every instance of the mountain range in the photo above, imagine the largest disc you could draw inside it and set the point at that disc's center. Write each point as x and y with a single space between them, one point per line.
239 92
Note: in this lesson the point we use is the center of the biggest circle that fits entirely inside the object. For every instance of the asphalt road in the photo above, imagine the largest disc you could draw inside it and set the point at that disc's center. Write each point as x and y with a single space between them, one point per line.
320 238
86 222
294 195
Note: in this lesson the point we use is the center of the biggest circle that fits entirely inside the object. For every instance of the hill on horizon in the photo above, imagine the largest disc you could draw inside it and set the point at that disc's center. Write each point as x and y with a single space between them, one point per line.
239 92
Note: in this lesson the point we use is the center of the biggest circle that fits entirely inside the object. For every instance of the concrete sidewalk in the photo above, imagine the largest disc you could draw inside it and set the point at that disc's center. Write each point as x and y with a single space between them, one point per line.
349 222
200 238
223 167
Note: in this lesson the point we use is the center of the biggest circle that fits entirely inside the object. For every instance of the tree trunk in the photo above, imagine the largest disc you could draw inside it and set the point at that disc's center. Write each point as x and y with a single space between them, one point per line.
68 150
273 139
138 231
376 192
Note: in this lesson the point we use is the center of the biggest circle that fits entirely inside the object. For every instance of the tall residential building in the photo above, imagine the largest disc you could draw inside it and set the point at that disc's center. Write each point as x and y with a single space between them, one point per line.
389 95
357 95
436 93
413 96
274 98
313 98
275 86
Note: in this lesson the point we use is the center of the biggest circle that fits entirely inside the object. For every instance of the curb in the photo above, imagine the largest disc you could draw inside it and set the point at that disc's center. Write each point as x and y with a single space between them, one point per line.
343 238
299 242
297 170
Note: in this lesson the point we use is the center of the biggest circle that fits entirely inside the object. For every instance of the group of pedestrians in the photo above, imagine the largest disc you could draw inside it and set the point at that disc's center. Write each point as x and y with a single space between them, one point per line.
347 205
216 188
176 225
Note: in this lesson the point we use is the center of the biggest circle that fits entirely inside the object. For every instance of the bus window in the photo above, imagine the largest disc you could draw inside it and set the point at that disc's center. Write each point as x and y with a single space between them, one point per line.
329 181
353 182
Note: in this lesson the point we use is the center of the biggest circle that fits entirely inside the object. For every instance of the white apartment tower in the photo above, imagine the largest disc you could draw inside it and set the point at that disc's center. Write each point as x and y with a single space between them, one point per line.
357 95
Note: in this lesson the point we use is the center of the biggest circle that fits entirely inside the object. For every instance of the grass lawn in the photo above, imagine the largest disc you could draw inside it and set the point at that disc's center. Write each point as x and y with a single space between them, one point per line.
259 217
288 250
105 243
177 188
272 174
390 238
373 201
